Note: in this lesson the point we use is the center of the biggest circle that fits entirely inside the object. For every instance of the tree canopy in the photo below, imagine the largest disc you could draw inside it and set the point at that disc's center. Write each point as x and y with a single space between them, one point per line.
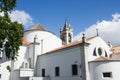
7 5
11 33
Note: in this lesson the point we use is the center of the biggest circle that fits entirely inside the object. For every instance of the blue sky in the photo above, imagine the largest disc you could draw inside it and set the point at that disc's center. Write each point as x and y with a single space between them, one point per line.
83 15
79 13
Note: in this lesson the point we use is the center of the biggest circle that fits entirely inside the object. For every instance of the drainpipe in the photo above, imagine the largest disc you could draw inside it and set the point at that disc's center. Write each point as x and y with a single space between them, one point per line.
42 46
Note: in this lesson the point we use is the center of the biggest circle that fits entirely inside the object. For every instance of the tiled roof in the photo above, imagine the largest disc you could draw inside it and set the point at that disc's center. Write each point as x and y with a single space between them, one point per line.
37 27
116 50
102 58
25 42
116 46
70 45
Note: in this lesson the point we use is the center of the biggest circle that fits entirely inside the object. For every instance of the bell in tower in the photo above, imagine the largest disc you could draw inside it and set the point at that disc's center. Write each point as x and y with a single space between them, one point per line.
66 34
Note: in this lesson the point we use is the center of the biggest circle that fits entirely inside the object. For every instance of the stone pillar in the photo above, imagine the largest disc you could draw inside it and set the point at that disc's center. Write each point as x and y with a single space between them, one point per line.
84 59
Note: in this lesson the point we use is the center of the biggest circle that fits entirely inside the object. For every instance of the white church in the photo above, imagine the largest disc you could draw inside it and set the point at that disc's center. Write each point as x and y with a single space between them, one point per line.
44 56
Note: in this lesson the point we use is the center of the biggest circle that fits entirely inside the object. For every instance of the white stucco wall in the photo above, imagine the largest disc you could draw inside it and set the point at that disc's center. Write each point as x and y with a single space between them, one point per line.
97 42
50 41
65 58
97 68
5 74
33 51
23 55
62 59
16 75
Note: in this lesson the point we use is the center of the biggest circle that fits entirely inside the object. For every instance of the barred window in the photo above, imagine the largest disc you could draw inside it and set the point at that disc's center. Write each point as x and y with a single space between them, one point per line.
57 71
74 69
43 72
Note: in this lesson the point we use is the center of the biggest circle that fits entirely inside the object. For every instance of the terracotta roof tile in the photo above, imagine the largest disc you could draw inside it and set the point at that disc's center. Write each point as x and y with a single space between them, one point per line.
38 27
101 58
116 46
116 50
70 45
25 42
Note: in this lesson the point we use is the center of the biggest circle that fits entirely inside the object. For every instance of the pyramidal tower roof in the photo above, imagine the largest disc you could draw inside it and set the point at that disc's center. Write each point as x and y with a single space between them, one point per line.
38 27
66 26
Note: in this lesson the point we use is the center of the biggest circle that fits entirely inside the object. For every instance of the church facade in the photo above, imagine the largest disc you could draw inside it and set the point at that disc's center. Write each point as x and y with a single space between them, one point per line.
43 56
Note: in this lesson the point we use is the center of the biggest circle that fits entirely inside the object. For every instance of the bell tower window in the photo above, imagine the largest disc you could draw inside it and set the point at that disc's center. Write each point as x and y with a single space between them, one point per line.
25 64
66 34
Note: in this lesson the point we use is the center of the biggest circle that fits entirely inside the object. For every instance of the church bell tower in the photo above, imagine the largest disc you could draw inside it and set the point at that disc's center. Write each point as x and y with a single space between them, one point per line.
66 34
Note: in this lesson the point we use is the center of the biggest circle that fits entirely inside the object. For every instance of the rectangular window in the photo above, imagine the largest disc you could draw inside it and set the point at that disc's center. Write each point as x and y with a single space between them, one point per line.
43 72
107 74
57 71
74 69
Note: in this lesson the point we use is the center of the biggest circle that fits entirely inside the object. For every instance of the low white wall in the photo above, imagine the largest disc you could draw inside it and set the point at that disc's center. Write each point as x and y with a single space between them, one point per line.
26 72
97 68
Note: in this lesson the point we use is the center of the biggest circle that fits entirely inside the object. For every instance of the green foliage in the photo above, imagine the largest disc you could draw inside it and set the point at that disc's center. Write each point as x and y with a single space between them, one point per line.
13 33
7 5
10 31
9 69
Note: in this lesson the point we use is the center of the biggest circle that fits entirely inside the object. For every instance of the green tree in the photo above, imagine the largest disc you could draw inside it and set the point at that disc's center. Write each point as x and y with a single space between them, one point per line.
7 5
11 33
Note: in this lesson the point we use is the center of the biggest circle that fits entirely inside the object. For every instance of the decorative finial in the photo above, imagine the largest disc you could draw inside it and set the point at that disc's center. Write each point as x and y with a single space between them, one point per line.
83 38
109 44
97 31
35 38
83 34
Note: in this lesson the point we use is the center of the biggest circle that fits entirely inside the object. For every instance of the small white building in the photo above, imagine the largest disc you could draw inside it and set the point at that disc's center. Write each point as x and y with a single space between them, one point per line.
43 56
105 69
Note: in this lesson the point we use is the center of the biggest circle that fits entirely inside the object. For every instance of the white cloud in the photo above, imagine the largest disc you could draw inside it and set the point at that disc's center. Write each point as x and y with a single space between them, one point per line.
108 30
21 17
